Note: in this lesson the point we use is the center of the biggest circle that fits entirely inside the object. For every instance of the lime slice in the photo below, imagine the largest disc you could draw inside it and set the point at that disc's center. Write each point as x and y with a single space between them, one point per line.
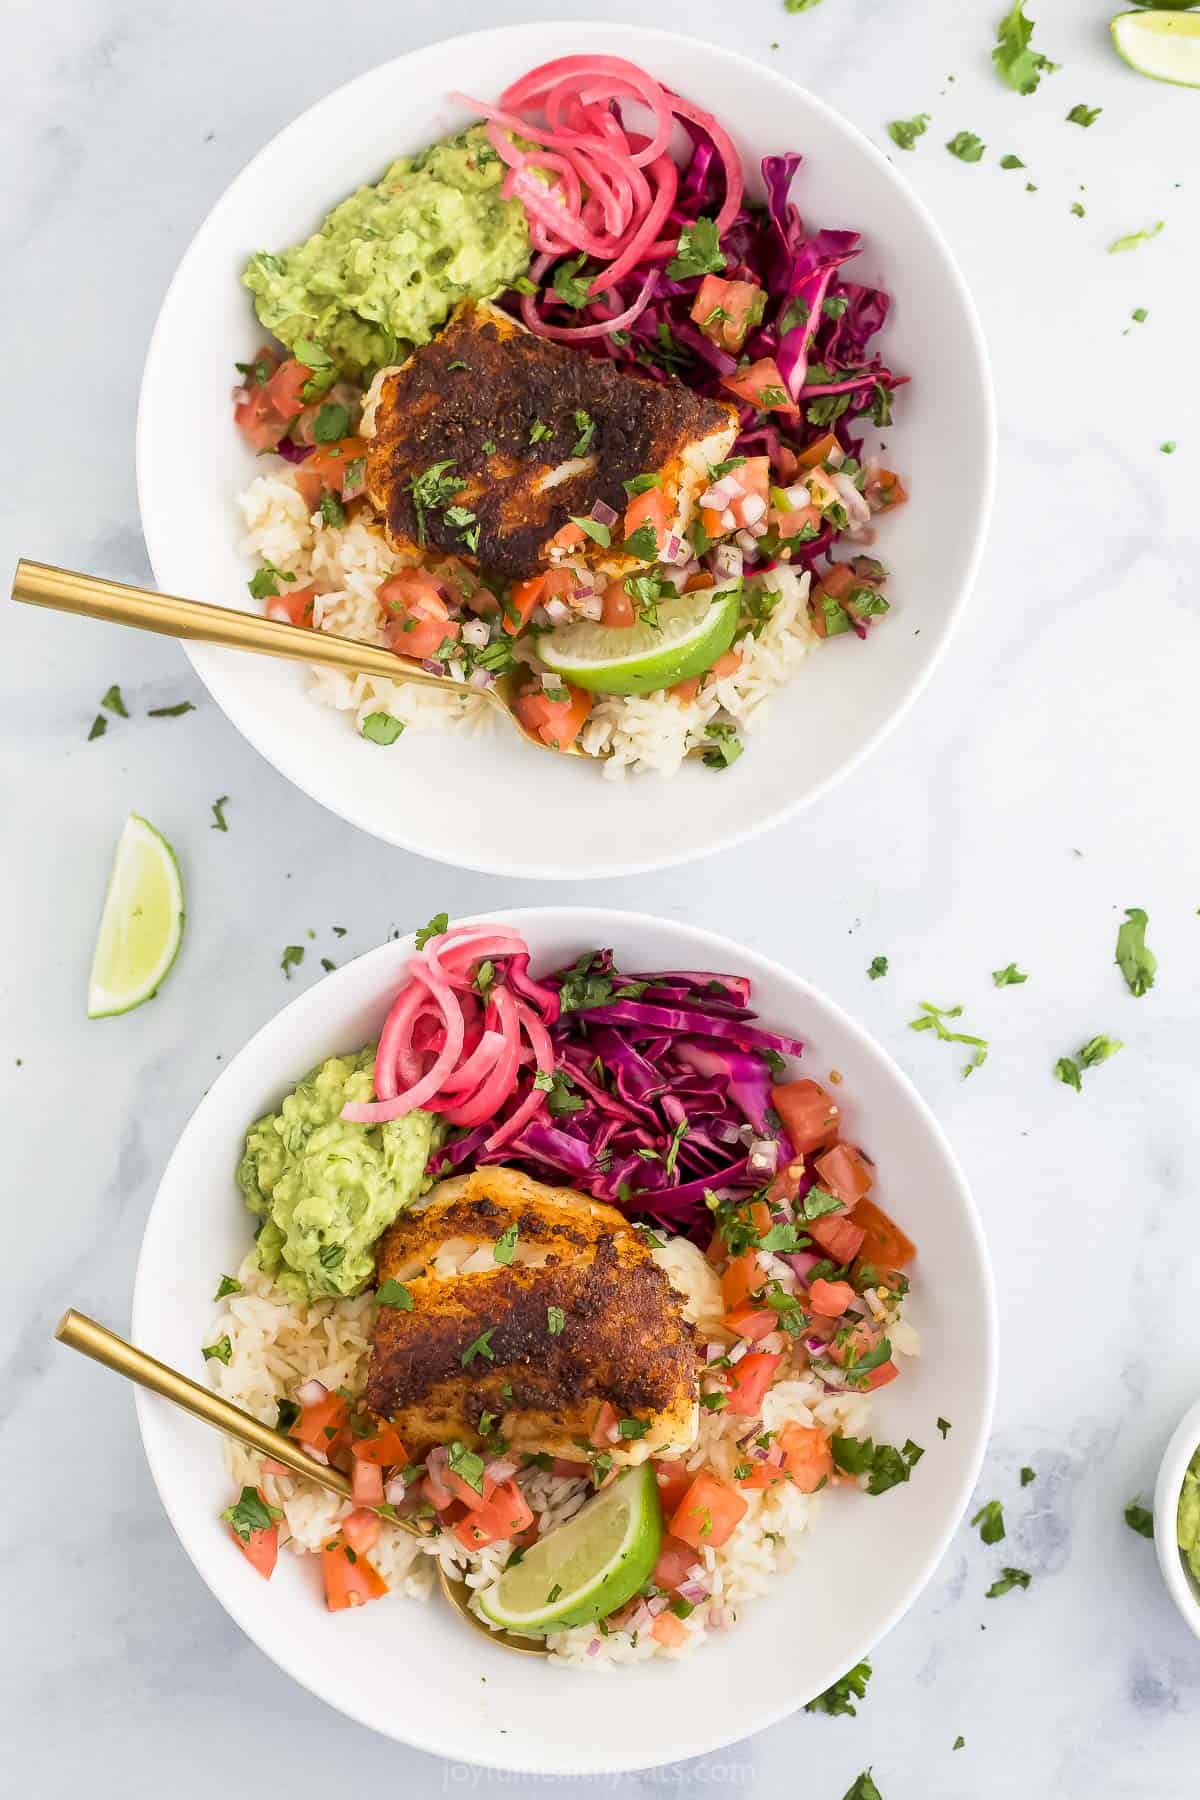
591 1565
141 926
1164 45
691 633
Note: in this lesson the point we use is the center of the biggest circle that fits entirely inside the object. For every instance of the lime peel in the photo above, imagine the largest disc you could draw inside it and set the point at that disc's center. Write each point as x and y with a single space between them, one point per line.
1165 45
592 1564
141 924
693 630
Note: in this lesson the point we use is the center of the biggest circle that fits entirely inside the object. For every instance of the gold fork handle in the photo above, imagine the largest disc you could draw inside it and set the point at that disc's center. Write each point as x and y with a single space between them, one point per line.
91 596
79 1332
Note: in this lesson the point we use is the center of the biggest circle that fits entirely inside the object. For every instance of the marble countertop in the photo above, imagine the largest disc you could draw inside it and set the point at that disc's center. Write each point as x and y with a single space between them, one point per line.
1044 782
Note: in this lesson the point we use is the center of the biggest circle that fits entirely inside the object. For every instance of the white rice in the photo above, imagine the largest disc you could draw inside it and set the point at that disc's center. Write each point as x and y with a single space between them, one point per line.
634 735
276 1343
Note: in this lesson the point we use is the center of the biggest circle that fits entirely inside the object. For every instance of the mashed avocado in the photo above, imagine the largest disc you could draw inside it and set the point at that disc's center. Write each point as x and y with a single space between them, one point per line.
325 1189
391 262
1188 1519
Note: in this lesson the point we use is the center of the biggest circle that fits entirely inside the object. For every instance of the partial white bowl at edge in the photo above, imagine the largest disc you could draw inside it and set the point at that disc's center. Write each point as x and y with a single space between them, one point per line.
494 804
1182 1585
415 1672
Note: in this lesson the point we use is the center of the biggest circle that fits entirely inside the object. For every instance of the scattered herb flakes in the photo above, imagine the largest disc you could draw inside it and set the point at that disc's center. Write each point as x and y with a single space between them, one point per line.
1139 315
592 528
966 146
585 425
945 1427
1011 162
1028 1475
482 1346
1138 1518
884 1466
171 712
328 965
1008 1580
504 1249
1031 187
1079 211
99 727
959 1743
113 703
799 6
570 284
632 1428
1132 239
1015 60
382 728
331 423
838 1699
466 1464
905 132
1136 963
227 1285
990 1520
539 431
877 967
1084 115
264 583
332 511
862 1788
221 1351
291 959
727 746
1169 448
1098 1049
698 251
1010 976
394 1293
1066 1070
250 1513
439 923
933 1018
218 813
556 1320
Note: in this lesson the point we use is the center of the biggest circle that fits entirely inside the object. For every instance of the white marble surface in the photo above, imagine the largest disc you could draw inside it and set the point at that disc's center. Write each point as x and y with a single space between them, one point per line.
1046 780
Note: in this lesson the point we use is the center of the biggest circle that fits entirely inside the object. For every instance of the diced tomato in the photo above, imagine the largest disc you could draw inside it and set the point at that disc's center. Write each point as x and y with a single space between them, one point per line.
786 1184
764 1473
618 606
879 1376
848 1346
836 1236
751 1322
569 1468
845 1171
728 664
604 1430
806 519
310 487
557 722
739 305
386 1449
323 1424
350 1580
686 691
806 1456
884 1245
830 1298
474 1499
649 508
708 1513
331 461
420 619
257 420
292 606
261 1548
284 388
754 480
809 1112
762 385
675 1558
749 1380
361 1529
523 1539
818 452
506 1513
742 1278
673 1480
569 536
838 580
669 1631
884 489
553 584
366 1484
712 522
786 464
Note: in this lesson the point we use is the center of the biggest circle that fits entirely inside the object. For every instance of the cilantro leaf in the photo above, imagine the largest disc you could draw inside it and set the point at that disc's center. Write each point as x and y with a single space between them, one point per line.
840 1697
218 813
570 284
1084 115
394 1294
504 1249
990 1520
1132 239
1139 1519
439 923
466 1464
698 251
221 1351
227 1285
482 1346
113 702
592 528
966 146
1011 162
556 1320
1010 976
585 425
291 959
1136 963
1067 1071
264 583
382 728
905 132
180 707
1028 1475
877 967
945 1427
331 423
1016 62
250 1513
862 1788
1009 1579
933 1018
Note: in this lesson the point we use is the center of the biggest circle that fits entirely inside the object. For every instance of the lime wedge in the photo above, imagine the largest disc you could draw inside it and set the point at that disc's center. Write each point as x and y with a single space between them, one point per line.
141 926
591 1565
1164 45
692 631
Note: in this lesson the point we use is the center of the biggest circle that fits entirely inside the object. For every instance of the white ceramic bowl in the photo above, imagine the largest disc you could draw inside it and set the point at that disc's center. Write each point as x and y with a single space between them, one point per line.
416 1672
563 820
1182 1585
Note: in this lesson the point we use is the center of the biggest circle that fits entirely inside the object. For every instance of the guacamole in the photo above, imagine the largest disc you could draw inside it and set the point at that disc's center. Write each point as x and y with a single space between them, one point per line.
391 262
1188 1519
324 1189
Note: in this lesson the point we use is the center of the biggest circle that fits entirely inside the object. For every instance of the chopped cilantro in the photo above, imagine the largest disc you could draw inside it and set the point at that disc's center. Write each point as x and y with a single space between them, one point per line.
291 959
382 728
174 712
1028 1475
286 1414
1078 209
99 727
439 923
933 1018
1169 448
1009 976
594 529
1016 62
632 1428
113 702
264 583
433 487
945 1427
331 423
466 1464
250 1513
697 252
726 746
990 1520
1136 963
641 484
570 284
585 425
905 132
840 1698
505 1246
1011 162
827 409
393 1293
959 1743
556 1320
221 1351
481 1347
1132 239
1140 1519
1084 115
218 813
227 1285
877 967
1066 1070
643 544
862 1788
1009 1579
1139 315
966 146
539 431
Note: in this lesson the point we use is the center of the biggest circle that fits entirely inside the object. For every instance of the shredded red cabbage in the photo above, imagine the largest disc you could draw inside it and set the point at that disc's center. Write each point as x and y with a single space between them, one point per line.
661 1080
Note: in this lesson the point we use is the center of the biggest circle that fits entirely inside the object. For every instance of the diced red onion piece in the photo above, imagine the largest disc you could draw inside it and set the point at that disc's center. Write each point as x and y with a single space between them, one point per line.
657 1603
728 562
695 1591
481 678
603 513
318 1456
502 1468
594 1646
394 1490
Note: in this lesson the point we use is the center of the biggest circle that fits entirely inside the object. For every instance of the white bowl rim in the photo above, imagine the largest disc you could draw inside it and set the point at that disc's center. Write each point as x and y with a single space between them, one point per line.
1181 1584
245 720
709 943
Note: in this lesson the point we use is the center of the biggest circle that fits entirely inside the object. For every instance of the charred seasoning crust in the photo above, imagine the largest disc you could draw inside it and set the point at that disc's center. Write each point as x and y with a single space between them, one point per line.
520 396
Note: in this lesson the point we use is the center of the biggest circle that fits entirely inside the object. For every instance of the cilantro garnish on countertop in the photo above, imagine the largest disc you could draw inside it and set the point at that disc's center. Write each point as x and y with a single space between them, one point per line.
1015 59
1136 963
838 1699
